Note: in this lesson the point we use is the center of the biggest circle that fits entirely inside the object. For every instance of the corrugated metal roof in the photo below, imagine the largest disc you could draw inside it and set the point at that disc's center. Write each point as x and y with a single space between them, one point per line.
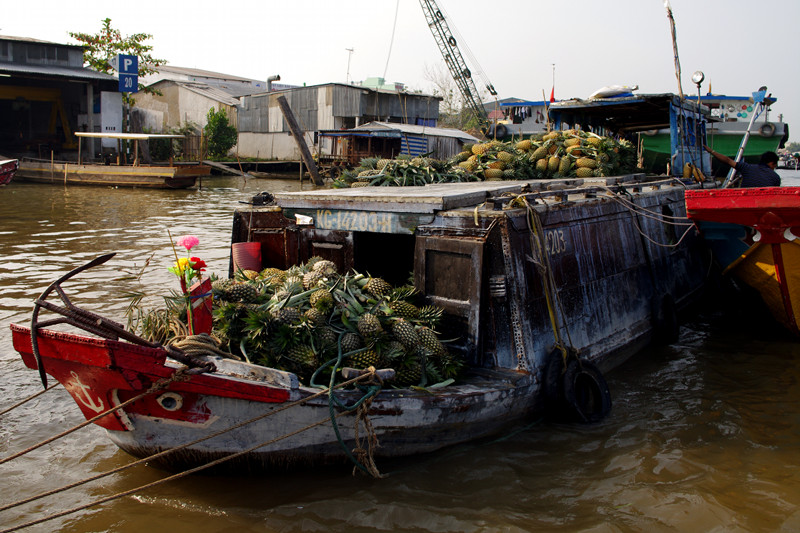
38 41
60 72
417 130
206 90
202 73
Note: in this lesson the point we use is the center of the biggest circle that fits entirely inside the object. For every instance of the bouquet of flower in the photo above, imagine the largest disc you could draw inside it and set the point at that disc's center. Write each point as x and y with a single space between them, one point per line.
187 269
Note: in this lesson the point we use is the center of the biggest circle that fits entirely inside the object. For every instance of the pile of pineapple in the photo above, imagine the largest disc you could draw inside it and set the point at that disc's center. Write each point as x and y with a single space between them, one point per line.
558 154
301 318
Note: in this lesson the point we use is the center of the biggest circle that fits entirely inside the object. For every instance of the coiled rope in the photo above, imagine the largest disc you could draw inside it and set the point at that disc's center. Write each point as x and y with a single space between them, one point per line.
185 473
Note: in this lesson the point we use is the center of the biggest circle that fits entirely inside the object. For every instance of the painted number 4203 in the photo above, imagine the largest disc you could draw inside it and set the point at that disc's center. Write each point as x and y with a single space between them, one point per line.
555 241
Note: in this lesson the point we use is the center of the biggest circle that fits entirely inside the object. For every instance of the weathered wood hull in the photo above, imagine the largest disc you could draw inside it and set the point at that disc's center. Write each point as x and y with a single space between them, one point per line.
143 176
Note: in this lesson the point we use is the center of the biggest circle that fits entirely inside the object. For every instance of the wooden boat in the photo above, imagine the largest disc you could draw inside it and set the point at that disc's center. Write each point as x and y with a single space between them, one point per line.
157 176
545 285
753 233
732 116
8 167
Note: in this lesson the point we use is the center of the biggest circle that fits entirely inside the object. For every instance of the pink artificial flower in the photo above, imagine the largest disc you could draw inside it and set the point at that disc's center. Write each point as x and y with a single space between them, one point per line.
188 241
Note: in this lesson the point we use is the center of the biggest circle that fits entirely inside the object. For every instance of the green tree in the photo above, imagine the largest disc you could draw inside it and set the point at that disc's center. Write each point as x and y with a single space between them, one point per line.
220 135
101 48
793 147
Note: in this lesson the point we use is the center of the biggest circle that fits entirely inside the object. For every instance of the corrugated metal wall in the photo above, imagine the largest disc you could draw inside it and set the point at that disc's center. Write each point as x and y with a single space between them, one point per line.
316 107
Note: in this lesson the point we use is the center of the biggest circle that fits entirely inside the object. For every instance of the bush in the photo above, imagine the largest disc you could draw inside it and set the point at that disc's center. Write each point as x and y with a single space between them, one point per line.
220 135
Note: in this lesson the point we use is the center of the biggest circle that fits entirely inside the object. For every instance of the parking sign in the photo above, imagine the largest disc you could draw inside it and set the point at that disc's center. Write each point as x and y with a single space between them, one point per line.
128 73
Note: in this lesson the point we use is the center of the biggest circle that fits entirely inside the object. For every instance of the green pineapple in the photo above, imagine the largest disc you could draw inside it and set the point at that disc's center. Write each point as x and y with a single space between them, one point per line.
321 299
430 341
286 315
243 292
377 287
369 326
221 289
404 332
364 358
404 309
409 372
311 279
315 317
301 358
351 342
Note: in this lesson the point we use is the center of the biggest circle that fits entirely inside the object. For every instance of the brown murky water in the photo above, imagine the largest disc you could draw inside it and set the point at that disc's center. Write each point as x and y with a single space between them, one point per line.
703 436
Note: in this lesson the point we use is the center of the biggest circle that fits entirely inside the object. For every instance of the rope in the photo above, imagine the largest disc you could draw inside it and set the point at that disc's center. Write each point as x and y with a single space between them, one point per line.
158 385
180 447
202 344
29 398
366 456
163 480
546 271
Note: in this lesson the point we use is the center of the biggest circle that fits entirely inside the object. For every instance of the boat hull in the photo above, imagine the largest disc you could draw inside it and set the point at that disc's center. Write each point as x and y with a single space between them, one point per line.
101 373
143 176
753 234
8 168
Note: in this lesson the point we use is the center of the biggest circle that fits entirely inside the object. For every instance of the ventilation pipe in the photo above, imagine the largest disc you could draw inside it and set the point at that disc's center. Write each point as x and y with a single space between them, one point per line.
276 77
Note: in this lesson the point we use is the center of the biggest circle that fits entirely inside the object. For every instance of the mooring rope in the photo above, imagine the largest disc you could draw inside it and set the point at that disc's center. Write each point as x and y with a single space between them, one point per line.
158 385
166 479
182 446
29 398
201 344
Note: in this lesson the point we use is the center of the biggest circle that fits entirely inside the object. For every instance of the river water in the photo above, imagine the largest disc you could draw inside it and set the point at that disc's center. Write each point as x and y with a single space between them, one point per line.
703 435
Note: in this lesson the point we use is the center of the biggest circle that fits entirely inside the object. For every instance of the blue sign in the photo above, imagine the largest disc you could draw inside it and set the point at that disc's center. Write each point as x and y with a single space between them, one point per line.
128 73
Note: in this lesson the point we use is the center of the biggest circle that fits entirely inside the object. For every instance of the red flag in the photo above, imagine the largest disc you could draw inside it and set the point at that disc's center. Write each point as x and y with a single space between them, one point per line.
553 94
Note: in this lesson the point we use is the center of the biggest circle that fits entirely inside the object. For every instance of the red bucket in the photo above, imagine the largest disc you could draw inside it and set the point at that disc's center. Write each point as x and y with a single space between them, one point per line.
246 256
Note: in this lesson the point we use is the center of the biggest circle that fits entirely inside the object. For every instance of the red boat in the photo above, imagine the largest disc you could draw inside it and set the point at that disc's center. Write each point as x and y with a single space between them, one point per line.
8 167
753 233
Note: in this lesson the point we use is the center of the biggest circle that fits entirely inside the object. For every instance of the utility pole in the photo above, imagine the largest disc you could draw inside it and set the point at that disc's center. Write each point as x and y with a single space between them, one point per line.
349 55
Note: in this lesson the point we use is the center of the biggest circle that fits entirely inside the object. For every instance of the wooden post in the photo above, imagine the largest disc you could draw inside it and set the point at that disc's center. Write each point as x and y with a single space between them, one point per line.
301 143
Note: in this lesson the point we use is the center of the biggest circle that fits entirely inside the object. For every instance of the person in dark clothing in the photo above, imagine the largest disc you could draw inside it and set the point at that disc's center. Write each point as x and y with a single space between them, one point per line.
761 175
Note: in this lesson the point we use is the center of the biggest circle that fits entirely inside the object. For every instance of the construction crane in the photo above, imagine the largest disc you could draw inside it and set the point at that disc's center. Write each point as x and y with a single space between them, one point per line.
455 61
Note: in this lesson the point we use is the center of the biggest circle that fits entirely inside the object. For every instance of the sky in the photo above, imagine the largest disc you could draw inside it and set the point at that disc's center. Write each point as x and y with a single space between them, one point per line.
524 49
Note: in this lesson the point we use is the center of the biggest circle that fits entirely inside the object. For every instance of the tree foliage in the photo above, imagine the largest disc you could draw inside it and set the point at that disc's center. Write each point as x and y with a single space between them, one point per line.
220 135
101 48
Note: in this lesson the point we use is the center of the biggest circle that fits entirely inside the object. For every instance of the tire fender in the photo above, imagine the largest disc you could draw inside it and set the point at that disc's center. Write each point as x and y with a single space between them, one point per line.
500 131
767 129
586 391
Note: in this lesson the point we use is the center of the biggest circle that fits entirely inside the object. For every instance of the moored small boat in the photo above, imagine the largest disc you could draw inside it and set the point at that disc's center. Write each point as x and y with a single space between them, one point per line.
753 234
156 176
8 168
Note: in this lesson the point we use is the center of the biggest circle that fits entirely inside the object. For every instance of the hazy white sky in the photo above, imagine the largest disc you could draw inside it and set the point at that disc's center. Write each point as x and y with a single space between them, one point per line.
739 44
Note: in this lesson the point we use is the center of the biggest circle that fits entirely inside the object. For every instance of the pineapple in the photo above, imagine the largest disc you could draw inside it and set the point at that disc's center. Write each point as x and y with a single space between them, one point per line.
524 145
586 162
404 309
539 153
351 342
499 165
325 267
553 163
583 172
377 287
321 299
404 332
429 341
221 289
286 315
315 317
311 279
505 156
409 372
564 166
365 358
369 326
493 174
243 292
301 356
541 164
381 164
480 149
